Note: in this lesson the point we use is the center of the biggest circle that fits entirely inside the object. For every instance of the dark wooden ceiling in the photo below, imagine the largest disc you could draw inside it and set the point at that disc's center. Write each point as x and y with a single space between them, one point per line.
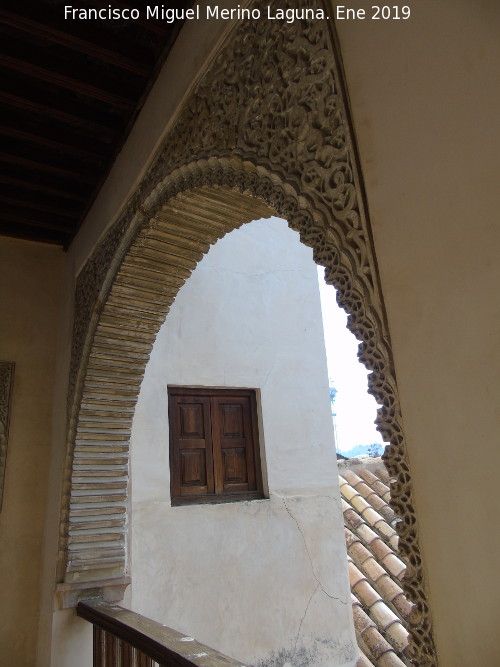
70 92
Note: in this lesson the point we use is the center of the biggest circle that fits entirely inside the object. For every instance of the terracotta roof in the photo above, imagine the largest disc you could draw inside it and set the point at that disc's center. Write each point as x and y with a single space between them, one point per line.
379 605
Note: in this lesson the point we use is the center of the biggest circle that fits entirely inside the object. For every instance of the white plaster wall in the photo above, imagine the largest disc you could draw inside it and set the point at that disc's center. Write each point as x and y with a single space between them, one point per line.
263 581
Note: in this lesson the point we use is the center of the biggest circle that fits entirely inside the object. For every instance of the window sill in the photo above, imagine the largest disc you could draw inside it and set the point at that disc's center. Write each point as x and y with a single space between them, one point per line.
217 499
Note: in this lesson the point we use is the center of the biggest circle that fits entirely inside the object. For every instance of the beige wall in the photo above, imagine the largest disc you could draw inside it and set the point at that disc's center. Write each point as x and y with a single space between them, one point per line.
61 634
425 101
30 280
267 578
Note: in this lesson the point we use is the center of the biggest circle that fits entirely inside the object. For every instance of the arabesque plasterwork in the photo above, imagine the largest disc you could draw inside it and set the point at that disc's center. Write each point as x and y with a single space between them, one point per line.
265 130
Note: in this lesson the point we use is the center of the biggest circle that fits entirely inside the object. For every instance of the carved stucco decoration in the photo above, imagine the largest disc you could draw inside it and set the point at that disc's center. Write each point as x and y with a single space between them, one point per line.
6 380
266 130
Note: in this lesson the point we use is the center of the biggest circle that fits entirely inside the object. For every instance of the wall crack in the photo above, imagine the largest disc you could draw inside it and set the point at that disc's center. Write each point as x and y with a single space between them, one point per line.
303 618
320 585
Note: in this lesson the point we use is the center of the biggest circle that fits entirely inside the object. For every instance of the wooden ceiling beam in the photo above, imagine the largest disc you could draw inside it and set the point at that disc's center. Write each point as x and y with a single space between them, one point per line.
28 233
34 222
73 42
30 186
71 92
63 81
39 166
25 203
49 143
105 133
105 34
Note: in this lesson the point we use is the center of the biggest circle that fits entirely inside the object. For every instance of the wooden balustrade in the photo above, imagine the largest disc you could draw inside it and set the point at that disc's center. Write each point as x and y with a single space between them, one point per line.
123 638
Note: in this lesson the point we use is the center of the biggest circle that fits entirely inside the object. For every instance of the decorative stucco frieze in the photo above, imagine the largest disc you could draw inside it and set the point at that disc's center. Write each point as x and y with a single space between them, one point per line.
6 380
266 130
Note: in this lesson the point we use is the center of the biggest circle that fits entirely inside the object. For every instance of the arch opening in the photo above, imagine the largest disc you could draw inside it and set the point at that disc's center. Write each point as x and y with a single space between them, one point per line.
248 317
127 329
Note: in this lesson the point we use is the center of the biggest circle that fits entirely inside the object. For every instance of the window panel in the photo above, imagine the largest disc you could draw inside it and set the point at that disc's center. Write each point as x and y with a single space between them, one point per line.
214 453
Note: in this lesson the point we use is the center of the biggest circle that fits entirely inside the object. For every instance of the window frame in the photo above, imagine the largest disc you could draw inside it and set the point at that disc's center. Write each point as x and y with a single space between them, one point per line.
213 455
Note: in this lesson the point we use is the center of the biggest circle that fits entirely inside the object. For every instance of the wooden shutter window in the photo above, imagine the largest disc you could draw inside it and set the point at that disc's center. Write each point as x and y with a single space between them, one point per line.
214 453
192 456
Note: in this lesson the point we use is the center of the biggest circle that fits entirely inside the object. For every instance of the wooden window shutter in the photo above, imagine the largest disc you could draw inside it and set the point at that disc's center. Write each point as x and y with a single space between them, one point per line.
214 453
191 457
232 437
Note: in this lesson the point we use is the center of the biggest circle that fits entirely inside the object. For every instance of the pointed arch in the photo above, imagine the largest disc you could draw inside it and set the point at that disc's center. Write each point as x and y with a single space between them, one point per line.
266 131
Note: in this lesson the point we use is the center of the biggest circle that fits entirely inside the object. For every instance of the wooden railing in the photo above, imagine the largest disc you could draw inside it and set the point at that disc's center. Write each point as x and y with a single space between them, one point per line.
123 638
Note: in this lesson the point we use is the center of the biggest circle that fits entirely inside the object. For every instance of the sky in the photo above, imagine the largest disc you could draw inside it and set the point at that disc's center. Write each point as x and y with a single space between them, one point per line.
355 408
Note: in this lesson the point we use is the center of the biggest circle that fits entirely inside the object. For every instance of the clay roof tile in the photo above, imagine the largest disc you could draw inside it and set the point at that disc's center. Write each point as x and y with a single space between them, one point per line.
394 541
364 490
374 570
378 486
390 660
382 615
361 620
363 661
351 477
402 605
359 503
373 518
350 537
385 529
376 644
387 512
381 473
359 553
367 534
389 589
355 575
395 566
398 636
352 519
379 549
379 604
349 493
368 477
366 594
371 497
